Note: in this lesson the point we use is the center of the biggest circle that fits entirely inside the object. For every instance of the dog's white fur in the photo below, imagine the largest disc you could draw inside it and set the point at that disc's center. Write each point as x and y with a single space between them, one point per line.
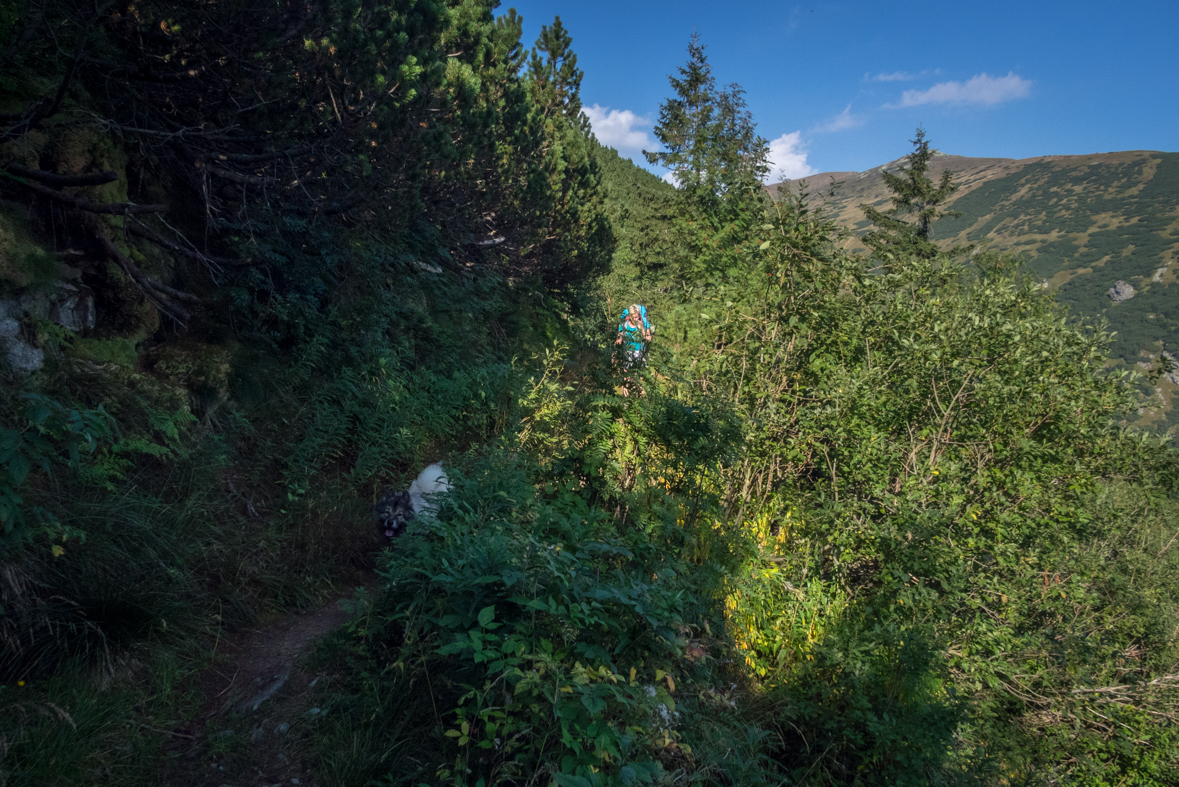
430 482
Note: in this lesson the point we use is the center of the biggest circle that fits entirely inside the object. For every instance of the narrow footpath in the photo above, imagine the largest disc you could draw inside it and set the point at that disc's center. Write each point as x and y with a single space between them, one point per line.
256 702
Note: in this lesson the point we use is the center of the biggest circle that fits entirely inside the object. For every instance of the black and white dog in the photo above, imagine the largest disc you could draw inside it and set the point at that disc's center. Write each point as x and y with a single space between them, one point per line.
396 508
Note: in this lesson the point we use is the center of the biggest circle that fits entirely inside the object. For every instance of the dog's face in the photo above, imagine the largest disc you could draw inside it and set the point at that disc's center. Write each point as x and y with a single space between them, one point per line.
392 513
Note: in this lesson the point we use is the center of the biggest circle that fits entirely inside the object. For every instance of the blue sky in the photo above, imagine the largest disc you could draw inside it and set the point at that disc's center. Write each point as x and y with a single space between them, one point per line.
842 86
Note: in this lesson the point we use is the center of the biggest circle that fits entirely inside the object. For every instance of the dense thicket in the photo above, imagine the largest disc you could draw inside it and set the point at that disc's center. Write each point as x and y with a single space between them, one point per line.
948 517
310 239
282 182
863 520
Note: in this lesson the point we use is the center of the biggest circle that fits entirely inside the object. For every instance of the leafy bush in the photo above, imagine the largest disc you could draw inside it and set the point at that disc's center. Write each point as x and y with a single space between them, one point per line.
43 435
552 607
930 444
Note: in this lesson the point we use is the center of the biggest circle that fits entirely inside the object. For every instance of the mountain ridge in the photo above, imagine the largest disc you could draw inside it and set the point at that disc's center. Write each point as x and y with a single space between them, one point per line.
954 162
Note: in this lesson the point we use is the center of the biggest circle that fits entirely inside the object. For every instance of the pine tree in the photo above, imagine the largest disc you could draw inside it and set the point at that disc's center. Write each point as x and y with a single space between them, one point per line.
913 193
711 145
576 240
556 79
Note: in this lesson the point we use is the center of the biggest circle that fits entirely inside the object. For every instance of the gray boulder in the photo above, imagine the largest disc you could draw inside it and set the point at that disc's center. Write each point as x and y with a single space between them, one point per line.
1121 291
69 305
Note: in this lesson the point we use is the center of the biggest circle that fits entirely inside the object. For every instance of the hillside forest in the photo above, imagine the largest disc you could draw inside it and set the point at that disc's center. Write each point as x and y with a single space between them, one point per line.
870 518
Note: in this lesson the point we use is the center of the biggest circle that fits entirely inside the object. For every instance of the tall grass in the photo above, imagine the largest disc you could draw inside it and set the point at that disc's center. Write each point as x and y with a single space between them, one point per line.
92 730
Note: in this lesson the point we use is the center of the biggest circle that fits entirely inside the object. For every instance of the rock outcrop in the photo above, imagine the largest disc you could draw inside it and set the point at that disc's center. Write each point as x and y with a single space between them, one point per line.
1121 291
69 305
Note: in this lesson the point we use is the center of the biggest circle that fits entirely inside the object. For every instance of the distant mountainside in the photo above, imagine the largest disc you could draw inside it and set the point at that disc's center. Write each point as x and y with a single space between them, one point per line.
1101 229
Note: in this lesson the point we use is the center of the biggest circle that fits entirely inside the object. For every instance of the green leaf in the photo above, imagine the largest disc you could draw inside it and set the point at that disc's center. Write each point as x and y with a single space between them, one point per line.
569 780
594 705
38 414
18 468
486 615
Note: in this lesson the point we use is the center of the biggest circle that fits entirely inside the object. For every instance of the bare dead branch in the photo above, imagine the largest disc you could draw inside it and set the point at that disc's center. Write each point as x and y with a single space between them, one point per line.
173 76
250 158
53 179
150 288
149 234
112 208
236 177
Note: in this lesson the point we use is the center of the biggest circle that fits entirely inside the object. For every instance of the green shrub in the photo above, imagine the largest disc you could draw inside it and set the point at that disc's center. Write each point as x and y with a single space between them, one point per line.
549 606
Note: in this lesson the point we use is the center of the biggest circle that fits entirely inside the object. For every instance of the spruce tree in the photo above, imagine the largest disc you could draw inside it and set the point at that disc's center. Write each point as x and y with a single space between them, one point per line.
711 145
914 193
710 140
685 121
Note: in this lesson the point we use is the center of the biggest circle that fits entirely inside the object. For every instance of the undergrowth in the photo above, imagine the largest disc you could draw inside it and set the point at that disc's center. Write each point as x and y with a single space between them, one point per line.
147 519
558 621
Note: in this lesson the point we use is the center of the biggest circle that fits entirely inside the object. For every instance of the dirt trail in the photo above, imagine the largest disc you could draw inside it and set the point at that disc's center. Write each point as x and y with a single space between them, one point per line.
256 702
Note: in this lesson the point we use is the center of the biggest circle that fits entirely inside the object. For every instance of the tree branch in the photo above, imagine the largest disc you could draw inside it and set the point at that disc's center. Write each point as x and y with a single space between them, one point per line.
137 228
151 288
250 158
53 179
112 208
236 177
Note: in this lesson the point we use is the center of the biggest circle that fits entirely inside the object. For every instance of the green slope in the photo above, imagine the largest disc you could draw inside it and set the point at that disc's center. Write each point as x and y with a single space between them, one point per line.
1081 223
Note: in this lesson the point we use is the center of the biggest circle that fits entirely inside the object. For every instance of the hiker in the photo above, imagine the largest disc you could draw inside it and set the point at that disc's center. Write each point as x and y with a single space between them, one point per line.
634 334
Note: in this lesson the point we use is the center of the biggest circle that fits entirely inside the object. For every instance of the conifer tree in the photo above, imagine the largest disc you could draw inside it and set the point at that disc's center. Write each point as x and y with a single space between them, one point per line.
577 239
556 79
711 145
913 193
684 121
709 138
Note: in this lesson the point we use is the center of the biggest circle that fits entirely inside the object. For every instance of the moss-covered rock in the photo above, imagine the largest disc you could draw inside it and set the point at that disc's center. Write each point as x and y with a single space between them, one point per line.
120 351
25 150
77 149
203 369
126 311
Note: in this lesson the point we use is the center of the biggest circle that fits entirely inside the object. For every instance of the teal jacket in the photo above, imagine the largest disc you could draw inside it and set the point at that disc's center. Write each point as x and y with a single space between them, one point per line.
632 336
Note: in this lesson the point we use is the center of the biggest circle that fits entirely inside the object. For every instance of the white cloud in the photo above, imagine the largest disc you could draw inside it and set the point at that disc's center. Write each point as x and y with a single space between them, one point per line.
982 89
672 178
841 122
620 129
895 76
787 160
